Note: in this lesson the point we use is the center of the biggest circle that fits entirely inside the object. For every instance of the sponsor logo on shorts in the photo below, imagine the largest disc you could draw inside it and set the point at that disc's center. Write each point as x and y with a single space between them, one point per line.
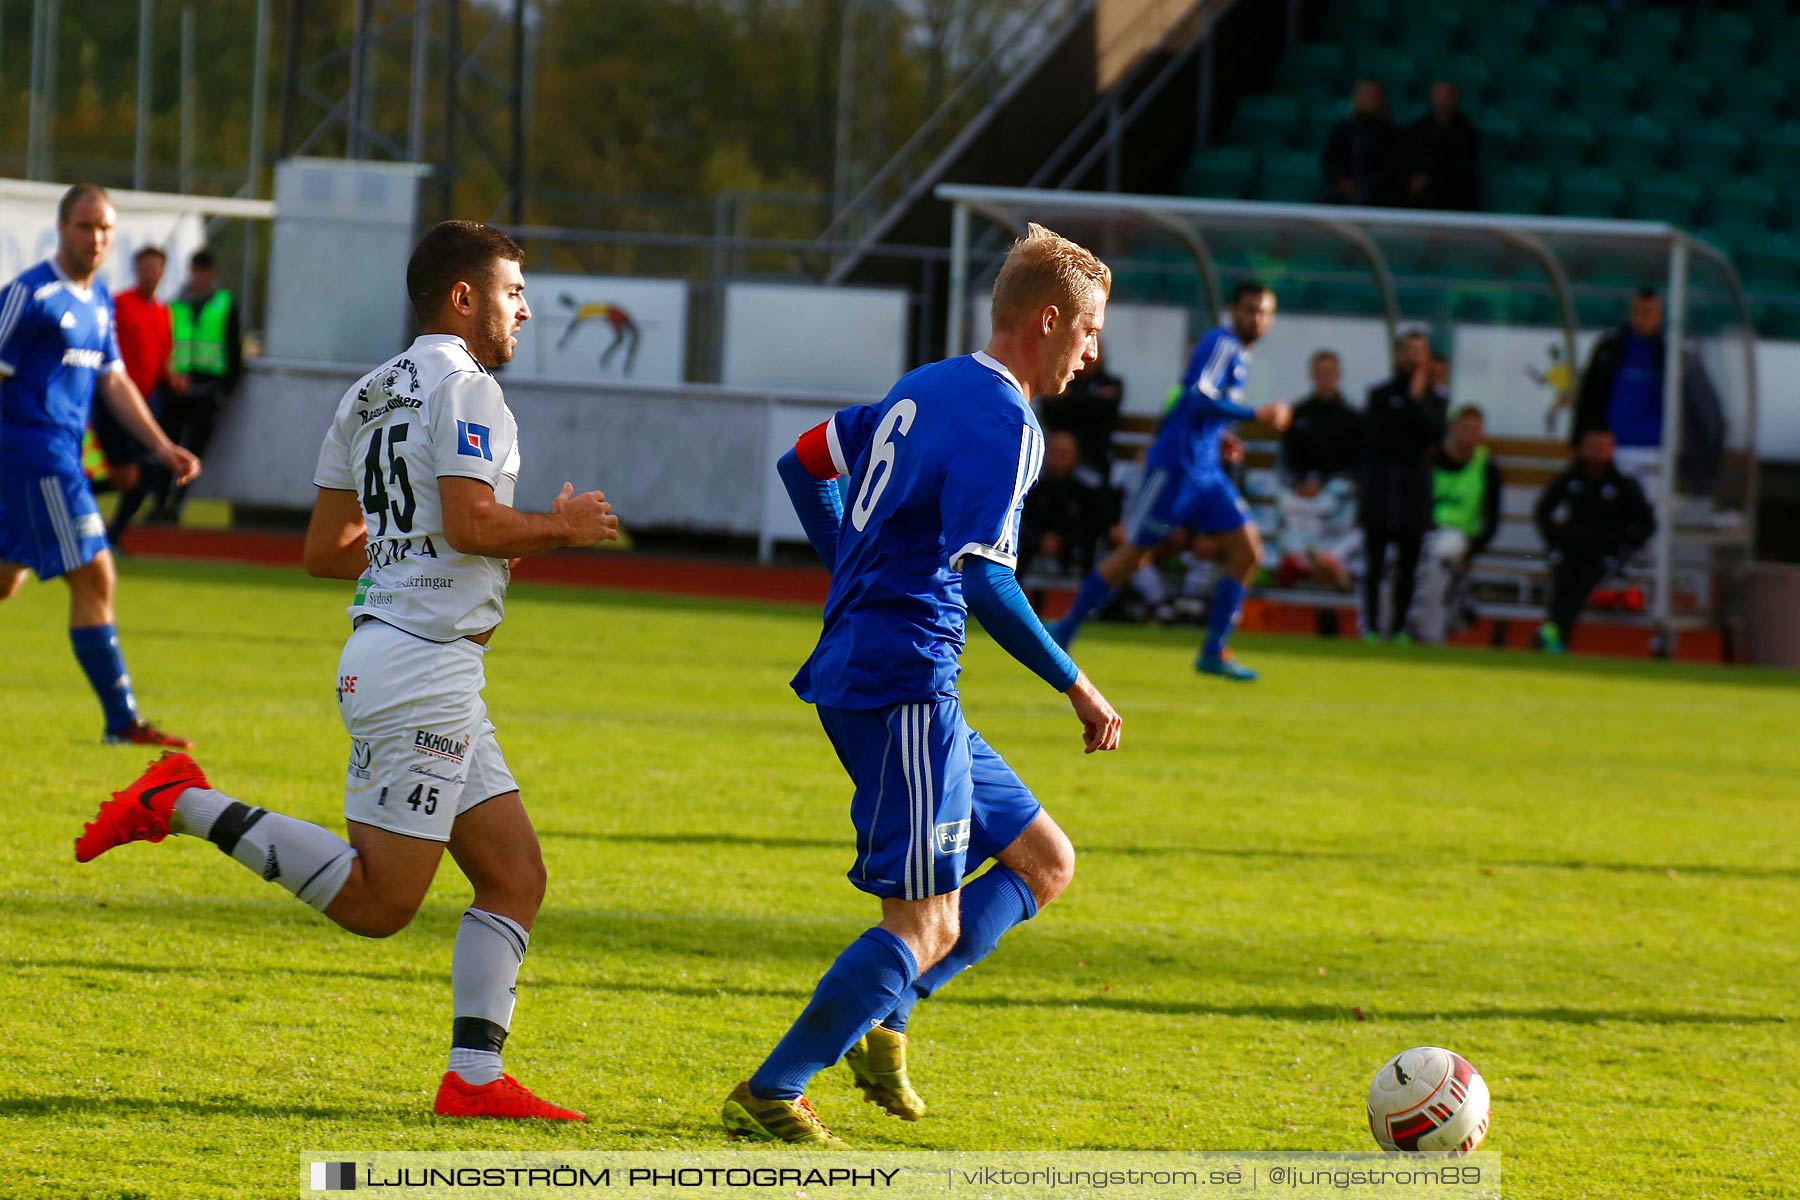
427 770
346 687
362 761
953 836
439 746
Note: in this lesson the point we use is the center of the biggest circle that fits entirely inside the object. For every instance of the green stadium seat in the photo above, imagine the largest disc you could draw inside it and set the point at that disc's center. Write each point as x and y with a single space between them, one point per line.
1292 178
1220 171
1778 154
1671 198
1752 100
1645 58
1315 67
1394 67
1680 97
1592 194
1775 265
1560 143
1268 122
1501 134
1746 201
1322 112
1634 146
1711 149
1603 88
1355 298
1721 38
1359 18
1503 23
1519 190
1533 84
1576 22
1644 26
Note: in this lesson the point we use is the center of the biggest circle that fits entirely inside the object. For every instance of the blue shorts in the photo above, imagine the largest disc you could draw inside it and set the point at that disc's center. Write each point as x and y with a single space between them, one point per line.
49 523
1167 500
933 801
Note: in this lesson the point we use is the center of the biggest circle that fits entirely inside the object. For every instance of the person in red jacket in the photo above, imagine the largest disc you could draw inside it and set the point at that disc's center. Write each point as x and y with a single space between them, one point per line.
146 342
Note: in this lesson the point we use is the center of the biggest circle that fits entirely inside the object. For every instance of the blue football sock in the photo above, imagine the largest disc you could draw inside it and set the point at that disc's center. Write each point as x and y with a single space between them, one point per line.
991 905
871 973
1228 597
1092 595
97 650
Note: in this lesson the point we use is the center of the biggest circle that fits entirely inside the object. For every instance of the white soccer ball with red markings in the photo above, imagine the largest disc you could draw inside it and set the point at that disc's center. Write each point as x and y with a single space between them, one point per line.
1428 1099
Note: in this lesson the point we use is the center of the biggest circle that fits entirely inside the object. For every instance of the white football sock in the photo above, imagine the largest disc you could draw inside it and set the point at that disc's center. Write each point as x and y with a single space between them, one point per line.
484 971
307 860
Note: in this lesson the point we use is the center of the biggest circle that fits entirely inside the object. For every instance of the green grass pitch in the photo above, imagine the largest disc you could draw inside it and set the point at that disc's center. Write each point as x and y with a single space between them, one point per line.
1582 875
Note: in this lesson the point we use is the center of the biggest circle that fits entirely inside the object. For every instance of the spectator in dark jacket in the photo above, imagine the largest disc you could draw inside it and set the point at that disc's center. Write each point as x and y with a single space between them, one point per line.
1466 494
1362 151
1403 422
1593 518
1325 440
1089 409
1443 150
1622 391
1065 513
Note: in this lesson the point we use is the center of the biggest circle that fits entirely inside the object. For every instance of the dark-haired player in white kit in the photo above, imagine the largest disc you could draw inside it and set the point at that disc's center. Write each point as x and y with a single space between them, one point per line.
415 503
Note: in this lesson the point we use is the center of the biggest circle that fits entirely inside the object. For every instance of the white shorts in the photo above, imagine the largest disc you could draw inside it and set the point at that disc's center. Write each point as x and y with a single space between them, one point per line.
422 751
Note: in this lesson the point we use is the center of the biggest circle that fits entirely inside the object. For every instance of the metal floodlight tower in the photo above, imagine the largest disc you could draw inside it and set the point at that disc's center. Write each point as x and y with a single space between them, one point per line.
440 82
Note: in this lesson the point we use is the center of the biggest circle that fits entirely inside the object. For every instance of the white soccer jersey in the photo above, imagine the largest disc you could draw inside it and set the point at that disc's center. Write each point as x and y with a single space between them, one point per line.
429 412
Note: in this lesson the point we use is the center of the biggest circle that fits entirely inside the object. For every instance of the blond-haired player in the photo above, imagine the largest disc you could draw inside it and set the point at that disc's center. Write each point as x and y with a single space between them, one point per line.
415 497
938 473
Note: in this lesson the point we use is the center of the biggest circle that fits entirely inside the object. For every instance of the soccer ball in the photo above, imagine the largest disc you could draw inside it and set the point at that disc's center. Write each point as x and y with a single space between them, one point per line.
1427 1098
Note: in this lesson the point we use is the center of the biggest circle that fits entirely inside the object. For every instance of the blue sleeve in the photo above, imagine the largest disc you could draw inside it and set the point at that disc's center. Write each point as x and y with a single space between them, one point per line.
17 309
993 595
983 498
1208 373
114 360
849 433
818 504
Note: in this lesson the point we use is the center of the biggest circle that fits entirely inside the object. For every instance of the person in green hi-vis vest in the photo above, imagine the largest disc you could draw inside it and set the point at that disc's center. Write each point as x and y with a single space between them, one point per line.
203 372
1466 492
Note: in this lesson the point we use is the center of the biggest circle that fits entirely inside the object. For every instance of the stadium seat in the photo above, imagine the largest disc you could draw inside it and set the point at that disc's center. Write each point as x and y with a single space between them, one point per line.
1680 98
1492 25
1778 154
1635 146
1560 143
1474 77
1711 150
1775 265
1220 171
1747 201
1394 67
1315 67
1603 88
1671 198
1266 122
1721 42
1293 177
1753 100
1594 193
1534 85
1590 23
1519 190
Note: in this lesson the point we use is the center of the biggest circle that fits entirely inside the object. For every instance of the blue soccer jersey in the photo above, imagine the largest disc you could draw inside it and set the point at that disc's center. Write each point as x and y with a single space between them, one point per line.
1211 398
55 341
938 471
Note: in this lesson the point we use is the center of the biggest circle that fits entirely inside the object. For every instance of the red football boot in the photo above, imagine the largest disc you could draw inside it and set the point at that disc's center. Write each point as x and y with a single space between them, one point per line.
143 733
506 1098
140 813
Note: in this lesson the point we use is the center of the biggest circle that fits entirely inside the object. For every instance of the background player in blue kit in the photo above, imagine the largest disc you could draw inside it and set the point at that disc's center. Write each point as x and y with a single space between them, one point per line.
1185 486
57 349
938 474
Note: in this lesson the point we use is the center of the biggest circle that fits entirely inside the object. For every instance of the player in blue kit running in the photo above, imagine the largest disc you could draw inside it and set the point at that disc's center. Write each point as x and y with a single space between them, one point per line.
58 349
1185 487
938 473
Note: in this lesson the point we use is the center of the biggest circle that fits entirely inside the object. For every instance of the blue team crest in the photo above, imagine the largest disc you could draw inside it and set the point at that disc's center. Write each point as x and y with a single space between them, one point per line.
474 440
